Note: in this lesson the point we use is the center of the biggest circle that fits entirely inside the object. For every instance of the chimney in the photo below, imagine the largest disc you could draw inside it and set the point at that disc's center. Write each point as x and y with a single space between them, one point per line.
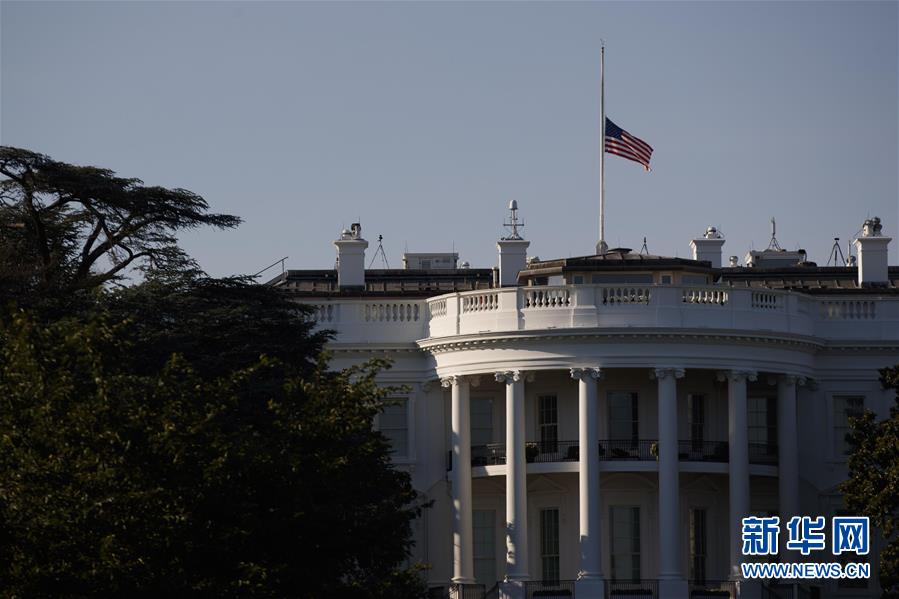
708 247
873 269
351 258
513 250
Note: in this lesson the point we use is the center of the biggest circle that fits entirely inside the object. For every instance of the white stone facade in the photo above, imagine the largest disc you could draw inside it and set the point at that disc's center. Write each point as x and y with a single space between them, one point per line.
608 433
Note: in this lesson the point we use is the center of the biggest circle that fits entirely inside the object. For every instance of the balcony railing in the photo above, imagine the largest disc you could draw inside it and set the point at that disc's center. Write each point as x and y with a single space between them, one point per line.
493 454
549 589
660 306
763 453
466 591
635 589
695 450
713 589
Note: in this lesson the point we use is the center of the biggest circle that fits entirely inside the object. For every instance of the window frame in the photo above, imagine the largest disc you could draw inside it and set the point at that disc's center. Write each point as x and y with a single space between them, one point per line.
634 436
489 554
548 445
636 557
408 402
550 547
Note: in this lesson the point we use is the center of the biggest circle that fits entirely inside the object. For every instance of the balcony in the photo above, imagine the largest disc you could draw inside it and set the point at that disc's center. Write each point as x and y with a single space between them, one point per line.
658 307
494 454
391 321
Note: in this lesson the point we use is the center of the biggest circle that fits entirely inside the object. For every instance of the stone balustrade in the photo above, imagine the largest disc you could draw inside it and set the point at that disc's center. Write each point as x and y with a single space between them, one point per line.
610 306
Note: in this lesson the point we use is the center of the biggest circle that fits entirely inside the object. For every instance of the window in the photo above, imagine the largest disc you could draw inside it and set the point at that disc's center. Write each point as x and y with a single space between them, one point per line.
693 280
549 544
762 412
548 419
666 279
481 422
484 529
625 545
624 278
623 416
394 424
696 420
426 265
578 279
844 408
697 545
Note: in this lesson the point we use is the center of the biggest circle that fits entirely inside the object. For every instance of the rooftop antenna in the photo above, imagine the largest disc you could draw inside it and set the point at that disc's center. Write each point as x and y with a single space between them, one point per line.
836 254
773 245
380 252
273 264
644 249
513 225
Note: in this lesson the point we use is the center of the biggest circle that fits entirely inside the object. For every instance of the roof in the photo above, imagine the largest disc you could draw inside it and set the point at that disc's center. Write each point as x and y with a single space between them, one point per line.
616 259
385 282
808 279
418 283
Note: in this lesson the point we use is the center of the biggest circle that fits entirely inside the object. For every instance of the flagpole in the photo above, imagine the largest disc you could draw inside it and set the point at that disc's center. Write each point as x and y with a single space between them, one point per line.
601 246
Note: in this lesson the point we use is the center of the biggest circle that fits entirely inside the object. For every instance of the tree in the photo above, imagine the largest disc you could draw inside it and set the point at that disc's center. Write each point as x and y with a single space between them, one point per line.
251 483
217 325
69 228
873 486
181 435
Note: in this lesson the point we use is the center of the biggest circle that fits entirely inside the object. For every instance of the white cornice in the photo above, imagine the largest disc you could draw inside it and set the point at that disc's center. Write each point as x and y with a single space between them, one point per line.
465 342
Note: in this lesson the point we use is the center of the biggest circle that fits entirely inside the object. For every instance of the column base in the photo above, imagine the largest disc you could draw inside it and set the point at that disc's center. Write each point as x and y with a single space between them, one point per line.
512 589
590 588
673 587
749 589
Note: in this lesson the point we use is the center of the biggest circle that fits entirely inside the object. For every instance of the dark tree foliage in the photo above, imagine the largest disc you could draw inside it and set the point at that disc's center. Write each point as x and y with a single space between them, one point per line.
873 486
180 436
171 484
69 228
218 325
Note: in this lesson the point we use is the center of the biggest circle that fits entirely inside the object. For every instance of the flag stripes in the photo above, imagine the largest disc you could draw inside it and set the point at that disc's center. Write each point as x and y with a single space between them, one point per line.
621 143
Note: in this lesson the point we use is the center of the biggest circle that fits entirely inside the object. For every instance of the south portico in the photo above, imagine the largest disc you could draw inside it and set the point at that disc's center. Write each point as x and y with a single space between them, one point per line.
591 579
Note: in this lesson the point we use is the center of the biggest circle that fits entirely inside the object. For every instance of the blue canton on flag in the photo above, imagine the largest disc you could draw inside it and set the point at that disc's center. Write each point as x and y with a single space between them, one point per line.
760 535
850 535
806 534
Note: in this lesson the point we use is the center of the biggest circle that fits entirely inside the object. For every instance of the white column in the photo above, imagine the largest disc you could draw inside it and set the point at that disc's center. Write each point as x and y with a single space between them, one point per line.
738 442
590 580
670 575
463 535
516 479
787 447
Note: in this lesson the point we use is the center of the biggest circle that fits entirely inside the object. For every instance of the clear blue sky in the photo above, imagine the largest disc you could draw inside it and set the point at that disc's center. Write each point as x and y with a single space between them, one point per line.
424 119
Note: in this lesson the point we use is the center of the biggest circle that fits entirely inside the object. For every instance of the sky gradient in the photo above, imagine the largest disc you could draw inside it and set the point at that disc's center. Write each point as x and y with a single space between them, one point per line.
424 119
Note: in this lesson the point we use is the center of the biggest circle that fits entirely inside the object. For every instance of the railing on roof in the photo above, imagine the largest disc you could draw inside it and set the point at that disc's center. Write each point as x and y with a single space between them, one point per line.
631 307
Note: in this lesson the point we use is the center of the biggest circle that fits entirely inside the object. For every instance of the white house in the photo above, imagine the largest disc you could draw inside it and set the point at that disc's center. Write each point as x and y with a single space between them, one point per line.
598 426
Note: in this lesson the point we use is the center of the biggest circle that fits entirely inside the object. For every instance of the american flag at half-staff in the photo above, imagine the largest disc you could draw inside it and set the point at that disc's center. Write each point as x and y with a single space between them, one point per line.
621 143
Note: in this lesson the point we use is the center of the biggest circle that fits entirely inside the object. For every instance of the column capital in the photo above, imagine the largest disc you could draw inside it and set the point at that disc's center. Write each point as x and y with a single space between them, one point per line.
789 379
451 380
508 376
738 375
583 374
661 373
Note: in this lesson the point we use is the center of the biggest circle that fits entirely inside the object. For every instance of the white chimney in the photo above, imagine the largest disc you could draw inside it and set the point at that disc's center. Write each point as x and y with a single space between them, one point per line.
708 247
513 250
351 258
871 247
